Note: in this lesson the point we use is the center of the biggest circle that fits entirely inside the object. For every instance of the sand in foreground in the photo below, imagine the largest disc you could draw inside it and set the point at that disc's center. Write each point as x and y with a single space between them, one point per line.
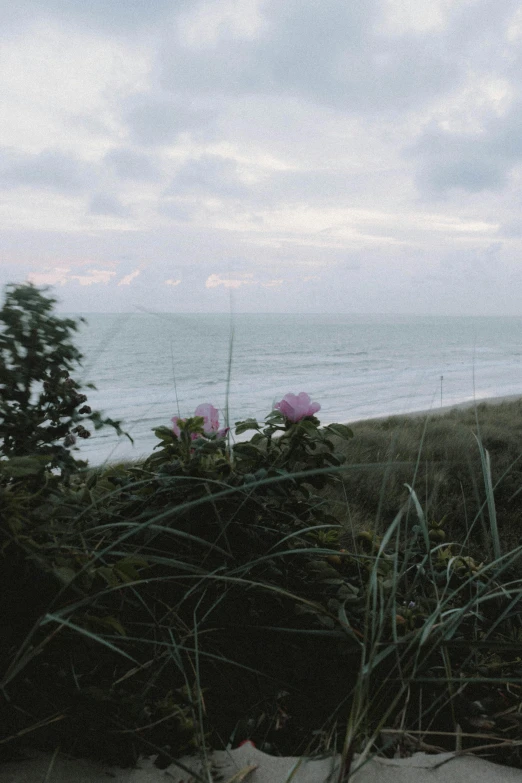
249 765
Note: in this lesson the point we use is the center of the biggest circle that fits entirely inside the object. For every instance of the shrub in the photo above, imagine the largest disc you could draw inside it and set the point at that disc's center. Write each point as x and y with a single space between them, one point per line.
42 408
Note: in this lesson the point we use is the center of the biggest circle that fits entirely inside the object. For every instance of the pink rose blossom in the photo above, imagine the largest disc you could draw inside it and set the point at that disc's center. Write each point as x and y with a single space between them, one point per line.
175 427
295 407
210 416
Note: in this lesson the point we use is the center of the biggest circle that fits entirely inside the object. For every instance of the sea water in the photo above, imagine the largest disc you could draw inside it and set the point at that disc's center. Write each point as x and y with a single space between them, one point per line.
148 367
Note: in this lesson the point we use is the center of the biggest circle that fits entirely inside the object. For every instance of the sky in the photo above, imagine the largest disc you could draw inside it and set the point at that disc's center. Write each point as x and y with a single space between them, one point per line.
351 156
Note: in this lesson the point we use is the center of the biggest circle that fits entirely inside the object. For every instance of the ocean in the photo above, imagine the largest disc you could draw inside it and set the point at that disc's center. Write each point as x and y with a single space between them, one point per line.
148 367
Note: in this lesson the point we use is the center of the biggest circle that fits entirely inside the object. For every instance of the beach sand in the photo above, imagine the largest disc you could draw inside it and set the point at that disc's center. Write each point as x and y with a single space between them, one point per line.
440 411
249 765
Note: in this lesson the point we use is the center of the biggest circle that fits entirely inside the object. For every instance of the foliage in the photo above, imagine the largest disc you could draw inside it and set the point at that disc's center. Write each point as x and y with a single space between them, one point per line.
441 455
210 594
283 445
42 408
142 599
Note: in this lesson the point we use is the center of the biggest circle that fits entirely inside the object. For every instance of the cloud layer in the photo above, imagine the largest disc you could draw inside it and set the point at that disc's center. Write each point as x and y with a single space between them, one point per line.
302 155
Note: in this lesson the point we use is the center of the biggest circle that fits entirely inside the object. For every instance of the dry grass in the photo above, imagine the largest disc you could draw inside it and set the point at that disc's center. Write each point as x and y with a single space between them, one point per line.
439 456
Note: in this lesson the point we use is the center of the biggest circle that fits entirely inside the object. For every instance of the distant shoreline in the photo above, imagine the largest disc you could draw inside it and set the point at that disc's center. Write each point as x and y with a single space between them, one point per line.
444 409
428 412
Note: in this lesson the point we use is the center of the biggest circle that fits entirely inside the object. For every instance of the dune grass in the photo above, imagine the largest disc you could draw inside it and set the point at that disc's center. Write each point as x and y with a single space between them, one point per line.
442 453
307 590
172 611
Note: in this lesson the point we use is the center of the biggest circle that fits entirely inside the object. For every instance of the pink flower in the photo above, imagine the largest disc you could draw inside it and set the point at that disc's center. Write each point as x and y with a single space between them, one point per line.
175 427
210 417
295 407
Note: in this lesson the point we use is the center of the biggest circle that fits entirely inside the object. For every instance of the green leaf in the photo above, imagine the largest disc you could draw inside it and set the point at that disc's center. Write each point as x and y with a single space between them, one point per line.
108 574
248 449
64 574
308 427
275 416
248 424
135 560
126 568
109 623
164 433
126 573
341 430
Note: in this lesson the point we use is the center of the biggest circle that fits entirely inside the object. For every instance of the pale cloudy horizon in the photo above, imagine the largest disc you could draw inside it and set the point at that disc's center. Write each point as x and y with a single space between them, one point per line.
290 155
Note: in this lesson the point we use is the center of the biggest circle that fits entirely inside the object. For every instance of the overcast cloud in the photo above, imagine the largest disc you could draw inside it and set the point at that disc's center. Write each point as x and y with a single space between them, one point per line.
305 155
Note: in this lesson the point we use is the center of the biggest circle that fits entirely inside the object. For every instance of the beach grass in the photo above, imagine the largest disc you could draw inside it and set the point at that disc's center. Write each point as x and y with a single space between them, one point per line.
312 589
444 456
200 621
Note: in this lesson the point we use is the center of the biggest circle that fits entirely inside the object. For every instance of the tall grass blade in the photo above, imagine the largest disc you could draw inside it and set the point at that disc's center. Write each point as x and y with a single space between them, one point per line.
486 469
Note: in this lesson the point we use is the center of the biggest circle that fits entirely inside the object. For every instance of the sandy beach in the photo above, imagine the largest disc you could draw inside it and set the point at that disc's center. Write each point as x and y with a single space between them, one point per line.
247 764
440 411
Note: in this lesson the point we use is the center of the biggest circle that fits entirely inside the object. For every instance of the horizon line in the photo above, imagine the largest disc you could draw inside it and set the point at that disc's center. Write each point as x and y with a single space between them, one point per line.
143 311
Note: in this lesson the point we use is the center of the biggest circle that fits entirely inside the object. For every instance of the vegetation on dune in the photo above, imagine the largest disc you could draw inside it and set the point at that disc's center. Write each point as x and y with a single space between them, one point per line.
305 589
443 454
42 410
